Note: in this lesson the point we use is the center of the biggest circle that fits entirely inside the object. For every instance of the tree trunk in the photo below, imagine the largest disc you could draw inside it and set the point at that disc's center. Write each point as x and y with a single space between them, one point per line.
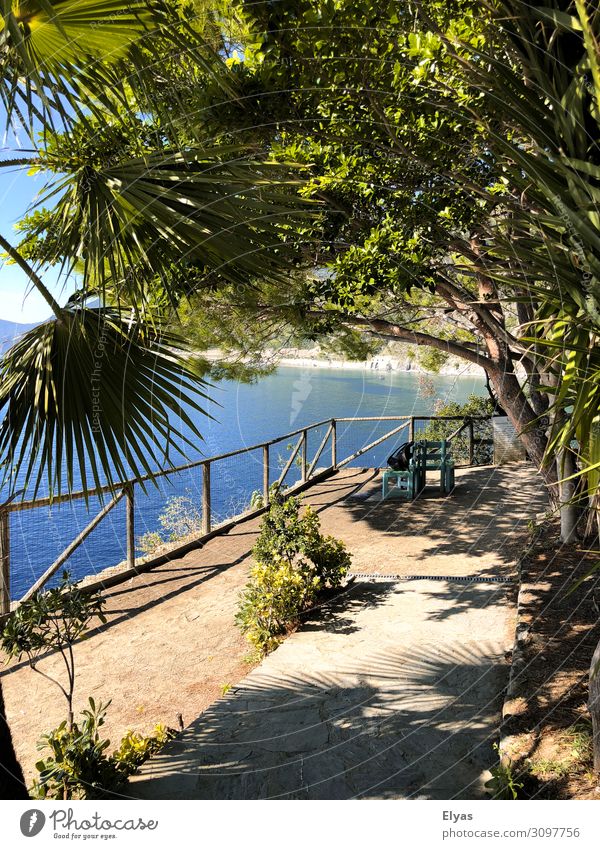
512 398
569 511
12 783
594 706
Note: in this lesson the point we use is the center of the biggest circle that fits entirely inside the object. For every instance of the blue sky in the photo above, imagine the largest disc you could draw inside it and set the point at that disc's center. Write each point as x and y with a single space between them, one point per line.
17 301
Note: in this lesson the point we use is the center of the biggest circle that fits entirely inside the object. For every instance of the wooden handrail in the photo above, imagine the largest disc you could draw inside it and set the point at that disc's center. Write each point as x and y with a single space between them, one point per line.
126 488
64 556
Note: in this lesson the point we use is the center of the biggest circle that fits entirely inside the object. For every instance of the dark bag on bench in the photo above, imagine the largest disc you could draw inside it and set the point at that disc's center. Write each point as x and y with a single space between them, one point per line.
399 461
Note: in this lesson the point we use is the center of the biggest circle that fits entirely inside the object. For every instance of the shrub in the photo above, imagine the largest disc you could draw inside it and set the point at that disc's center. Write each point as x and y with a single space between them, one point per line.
135 749
293 563
180 519
476 405
53 621
257 499
149 542
79 766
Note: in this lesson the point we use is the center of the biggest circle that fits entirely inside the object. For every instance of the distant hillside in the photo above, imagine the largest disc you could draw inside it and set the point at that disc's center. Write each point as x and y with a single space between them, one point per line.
10 330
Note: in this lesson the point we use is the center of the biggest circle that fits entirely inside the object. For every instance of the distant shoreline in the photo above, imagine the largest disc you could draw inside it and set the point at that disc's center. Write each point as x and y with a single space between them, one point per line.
382 363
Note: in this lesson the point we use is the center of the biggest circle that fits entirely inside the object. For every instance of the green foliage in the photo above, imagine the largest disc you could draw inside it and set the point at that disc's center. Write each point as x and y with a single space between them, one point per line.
79 766
432 359
149 542
475 406
85 391
503 783
132 185
293 562
257 499
135 748
53 621
180 519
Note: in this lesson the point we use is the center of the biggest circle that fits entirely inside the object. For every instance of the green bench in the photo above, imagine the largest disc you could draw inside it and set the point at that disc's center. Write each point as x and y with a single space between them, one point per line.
427 456
437 458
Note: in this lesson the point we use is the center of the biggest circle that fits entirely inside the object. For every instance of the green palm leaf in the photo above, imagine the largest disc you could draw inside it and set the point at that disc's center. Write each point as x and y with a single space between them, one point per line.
66 59
61 33
94 397
130 220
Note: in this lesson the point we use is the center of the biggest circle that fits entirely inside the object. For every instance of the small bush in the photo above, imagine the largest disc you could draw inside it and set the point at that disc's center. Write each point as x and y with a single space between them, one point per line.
293 563
257 499
149 542
79 766
476 405
180 519
135 749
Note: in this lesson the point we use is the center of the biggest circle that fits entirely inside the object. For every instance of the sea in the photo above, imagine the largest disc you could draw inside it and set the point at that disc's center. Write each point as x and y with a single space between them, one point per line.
241 415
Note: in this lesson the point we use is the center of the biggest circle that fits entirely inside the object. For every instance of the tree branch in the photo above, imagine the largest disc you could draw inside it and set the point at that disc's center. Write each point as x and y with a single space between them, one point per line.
414 337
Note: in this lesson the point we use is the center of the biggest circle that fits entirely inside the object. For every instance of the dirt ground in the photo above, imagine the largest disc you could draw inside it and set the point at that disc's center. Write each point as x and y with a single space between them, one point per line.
170 645
549 724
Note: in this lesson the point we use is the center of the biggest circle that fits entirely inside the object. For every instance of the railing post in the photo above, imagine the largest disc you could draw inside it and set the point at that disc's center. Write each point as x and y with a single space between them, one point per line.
4 562
471 444
333 444
266 493
303 456
206 508
411 429
130 525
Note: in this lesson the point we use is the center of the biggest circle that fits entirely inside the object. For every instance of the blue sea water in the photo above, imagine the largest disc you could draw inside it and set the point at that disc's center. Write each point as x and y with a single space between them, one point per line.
243 415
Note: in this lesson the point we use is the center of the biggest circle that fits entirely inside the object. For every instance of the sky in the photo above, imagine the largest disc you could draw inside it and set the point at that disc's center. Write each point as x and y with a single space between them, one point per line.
17 301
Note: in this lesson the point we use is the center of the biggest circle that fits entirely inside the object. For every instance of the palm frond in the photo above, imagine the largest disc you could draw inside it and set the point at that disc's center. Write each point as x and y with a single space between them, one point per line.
61 60
92 398
131 219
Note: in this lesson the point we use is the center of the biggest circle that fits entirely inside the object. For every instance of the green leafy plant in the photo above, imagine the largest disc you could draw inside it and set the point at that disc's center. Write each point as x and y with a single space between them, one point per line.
135 748
180 519
503 783
79 766
475 406
257 499
53 621
293 563
149 542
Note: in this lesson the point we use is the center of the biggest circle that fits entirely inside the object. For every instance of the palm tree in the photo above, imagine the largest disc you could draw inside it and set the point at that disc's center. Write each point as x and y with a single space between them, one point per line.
545 86
94 393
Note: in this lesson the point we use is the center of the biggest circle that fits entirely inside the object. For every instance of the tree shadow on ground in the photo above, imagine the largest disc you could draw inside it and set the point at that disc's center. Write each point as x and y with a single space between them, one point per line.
391 724
487 514
336 612
547 717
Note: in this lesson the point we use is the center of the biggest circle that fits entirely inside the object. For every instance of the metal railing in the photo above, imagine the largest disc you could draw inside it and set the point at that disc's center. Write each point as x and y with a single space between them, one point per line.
310 473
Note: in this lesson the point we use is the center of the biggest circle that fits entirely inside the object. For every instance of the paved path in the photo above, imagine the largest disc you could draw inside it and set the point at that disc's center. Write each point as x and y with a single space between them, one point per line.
395 689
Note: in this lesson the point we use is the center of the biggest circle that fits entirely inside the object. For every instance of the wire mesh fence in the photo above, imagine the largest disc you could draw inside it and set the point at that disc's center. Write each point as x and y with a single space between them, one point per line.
356 434
472 445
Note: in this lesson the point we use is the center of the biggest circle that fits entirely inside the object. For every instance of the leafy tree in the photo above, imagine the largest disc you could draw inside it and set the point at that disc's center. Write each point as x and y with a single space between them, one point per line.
377 104
52 621
455 145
